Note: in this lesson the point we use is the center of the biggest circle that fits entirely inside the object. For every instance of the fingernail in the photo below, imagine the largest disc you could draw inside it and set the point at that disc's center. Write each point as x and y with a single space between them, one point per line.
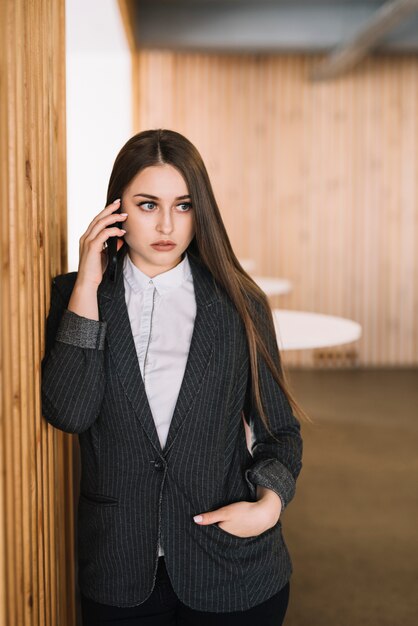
116 201
198 518
123 214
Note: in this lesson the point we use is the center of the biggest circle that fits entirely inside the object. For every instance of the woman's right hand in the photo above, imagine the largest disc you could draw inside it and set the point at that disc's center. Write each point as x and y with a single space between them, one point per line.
92 258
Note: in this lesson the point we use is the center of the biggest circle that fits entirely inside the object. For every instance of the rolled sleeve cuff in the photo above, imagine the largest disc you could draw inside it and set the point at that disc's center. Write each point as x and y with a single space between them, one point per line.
81 331
274 475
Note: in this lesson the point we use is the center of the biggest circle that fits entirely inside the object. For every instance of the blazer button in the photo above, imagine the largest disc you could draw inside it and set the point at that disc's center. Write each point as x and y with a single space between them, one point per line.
159 465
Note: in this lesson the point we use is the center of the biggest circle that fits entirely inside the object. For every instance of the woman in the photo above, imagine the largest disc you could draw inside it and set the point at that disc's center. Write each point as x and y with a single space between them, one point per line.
155 372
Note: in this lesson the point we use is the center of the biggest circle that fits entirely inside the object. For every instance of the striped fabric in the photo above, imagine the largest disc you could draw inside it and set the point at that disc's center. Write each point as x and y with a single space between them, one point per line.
132 491
161 310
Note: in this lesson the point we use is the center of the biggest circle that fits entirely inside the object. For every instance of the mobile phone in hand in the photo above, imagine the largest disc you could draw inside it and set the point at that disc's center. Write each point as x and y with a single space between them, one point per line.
112 249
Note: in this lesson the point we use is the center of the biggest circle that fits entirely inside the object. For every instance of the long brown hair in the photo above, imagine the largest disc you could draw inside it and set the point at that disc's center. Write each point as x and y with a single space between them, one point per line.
210 245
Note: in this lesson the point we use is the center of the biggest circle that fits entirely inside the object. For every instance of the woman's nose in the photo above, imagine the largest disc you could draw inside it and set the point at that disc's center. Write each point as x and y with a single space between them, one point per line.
165 222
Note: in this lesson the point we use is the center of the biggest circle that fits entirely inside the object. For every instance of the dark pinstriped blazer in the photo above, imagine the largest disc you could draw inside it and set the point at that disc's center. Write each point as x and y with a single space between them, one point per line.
131 490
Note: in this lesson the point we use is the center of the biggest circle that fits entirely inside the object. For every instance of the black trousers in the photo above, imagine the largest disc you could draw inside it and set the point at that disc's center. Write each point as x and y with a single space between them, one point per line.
163 608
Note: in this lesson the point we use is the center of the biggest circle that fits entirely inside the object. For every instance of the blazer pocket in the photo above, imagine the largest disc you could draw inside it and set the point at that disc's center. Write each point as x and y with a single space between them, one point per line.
261 535
100 499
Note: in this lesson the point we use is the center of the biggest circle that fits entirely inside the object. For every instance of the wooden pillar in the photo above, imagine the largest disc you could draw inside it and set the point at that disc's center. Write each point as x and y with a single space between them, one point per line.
36 484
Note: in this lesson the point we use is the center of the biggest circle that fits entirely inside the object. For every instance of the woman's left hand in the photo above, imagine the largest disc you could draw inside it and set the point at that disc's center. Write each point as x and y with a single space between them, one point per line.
246 519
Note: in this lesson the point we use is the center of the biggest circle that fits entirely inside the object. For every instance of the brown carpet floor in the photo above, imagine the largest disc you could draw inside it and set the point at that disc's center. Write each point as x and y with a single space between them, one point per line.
352 528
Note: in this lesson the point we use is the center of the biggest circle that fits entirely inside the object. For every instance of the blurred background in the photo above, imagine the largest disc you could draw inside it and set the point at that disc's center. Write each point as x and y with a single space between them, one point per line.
305 114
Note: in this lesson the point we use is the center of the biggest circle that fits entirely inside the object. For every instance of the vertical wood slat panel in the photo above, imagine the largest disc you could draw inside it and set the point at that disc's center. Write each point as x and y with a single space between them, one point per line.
315 181
36 561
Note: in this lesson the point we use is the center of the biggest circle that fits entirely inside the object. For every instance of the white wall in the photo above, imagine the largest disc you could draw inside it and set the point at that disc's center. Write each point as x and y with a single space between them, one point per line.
99 116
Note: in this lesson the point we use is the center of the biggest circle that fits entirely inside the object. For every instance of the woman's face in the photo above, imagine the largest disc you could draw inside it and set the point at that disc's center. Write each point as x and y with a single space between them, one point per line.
159 207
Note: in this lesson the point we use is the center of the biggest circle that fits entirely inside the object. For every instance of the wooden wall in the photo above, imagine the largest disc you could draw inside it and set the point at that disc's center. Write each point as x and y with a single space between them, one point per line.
36 510
316 181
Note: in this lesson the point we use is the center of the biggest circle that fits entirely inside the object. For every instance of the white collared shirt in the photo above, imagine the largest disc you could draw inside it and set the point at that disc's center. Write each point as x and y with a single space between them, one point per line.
162 311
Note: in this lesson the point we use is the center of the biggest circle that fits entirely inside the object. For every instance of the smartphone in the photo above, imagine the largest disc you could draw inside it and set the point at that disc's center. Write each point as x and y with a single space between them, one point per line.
112 248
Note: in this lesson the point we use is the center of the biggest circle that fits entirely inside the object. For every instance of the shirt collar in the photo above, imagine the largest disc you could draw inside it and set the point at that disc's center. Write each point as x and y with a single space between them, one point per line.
164 282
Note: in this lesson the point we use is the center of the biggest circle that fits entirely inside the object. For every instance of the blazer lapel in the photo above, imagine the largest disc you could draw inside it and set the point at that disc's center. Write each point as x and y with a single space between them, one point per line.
113 309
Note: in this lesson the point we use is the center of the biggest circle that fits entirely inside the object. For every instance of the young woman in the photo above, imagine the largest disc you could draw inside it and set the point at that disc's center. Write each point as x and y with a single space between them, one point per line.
178 523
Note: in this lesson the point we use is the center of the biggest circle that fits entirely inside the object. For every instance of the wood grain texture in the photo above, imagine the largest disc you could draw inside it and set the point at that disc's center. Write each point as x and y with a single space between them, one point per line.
315 180
36 540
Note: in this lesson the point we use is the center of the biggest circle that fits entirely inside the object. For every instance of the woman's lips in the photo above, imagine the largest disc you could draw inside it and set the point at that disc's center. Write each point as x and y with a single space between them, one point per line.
163 247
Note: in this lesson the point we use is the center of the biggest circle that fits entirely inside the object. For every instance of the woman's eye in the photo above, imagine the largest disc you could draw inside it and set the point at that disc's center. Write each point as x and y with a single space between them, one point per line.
186 204
142 203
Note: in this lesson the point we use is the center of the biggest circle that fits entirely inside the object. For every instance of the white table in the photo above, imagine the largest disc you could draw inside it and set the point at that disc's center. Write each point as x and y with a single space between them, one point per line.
299 330
273 286
247 264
